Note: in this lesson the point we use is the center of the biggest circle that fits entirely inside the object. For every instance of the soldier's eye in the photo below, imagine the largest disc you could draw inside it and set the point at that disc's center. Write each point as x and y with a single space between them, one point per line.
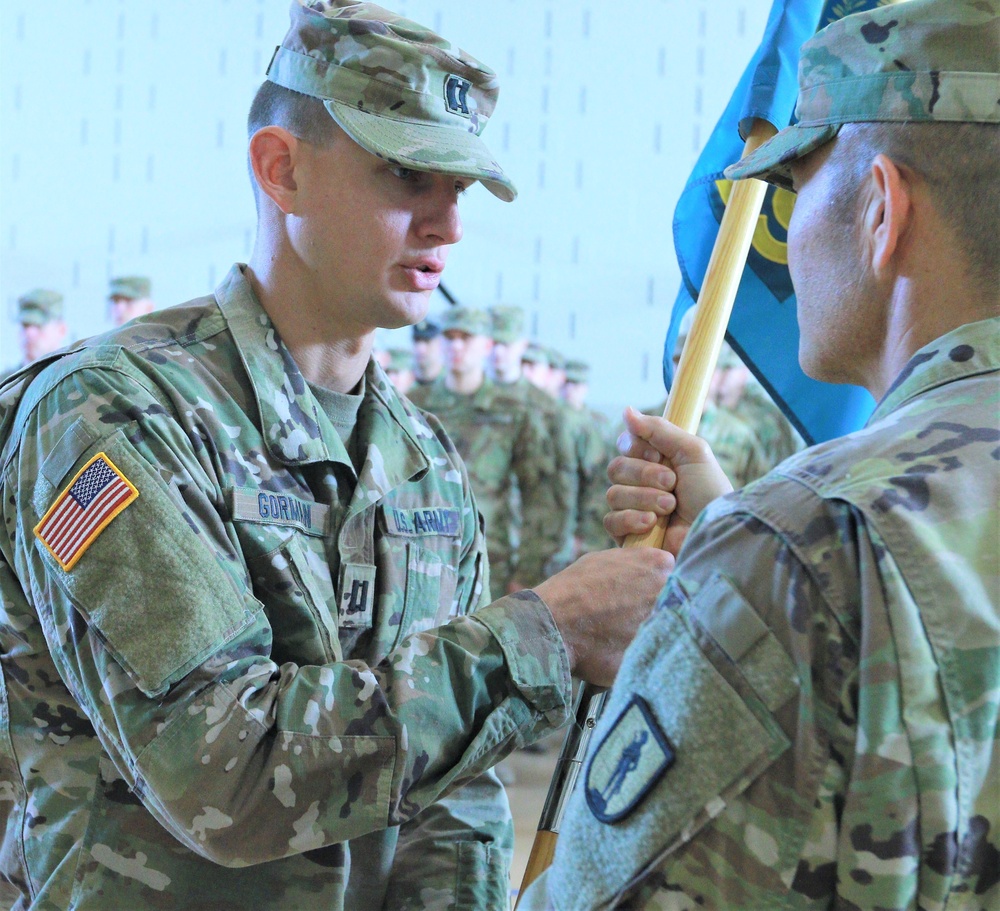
408 174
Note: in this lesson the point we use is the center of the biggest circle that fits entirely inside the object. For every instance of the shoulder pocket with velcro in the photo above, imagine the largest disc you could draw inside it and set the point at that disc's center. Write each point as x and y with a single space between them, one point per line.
150 583
710 675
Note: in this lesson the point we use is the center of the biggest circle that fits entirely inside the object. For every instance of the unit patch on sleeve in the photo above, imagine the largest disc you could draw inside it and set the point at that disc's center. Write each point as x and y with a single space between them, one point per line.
632 757
97 494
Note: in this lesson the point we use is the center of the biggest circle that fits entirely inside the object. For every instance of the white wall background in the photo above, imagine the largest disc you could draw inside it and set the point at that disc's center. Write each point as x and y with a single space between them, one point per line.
123 142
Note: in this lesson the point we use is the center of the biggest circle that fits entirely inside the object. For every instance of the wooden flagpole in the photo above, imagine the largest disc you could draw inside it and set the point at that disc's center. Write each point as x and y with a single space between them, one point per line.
684 408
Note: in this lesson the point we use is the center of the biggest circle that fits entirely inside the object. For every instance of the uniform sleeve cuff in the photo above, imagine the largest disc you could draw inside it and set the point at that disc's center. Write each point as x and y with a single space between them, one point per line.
534 650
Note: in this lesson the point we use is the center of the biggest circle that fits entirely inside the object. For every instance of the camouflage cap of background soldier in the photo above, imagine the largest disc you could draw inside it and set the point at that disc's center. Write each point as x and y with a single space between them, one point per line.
39 307
577 371
130 287
400 359
918 61
395 87
555 358
425 330
533 354
508 323
467 319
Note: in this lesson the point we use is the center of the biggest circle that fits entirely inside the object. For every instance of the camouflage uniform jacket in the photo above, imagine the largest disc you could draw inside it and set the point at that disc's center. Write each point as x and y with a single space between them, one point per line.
824 668
778 439
501 440
242 694
557 424
593 453
737 447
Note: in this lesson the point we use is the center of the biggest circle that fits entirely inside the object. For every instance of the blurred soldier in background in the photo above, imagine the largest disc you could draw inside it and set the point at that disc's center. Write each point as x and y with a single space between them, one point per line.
129 297
43 329
502 442
557 372
535 366
428 358
399 369
591 432
509 345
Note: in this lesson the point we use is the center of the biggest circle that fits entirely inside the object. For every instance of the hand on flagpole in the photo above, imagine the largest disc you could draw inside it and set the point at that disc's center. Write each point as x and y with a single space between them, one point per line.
598 604
662 471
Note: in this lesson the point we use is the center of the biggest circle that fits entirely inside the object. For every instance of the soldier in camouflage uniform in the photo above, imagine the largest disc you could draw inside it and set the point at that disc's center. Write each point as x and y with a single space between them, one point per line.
129 296
810 717
593 452
399 370
428 359
735 390
243 661
509 345
537 371
502 442
43 329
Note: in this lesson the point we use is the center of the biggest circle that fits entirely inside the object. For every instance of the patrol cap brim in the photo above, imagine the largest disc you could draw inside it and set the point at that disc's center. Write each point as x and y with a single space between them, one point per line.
33 317
772 160
423 147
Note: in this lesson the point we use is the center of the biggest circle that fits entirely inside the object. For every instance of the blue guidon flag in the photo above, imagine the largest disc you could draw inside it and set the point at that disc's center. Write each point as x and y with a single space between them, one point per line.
97 494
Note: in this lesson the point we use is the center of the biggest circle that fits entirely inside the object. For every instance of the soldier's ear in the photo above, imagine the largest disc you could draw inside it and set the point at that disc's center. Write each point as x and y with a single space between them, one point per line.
888 215
273 153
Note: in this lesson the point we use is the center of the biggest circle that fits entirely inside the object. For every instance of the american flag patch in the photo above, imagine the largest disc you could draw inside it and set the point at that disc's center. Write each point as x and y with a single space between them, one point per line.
83 510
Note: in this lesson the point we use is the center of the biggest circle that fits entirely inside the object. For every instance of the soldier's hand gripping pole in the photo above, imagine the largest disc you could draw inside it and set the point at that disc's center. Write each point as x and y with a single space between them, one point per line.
684 408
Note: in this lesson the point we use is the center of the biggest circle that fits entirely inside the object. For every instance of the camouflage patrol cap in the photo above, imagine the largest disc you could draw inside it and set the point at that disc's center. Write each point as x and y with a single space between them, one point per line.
38 307
918 61
400 359
534 355
131 287
577 371
425 330
508 323
556 360
467 319
396 88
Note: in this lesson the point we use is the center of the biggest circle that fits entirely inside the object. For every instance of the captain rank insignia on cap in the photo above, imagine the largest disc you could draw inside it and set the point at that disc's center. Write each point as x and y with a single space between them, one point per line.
456 93
97 494
632 757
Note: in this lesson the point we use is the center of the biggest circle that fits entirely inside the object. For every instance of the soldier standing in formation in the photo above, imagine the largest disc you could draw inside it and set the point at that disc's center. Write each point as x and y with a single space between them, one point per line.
509 345
399 369
128 297
821 679
502 443
248 659
43 329
428 357
591 431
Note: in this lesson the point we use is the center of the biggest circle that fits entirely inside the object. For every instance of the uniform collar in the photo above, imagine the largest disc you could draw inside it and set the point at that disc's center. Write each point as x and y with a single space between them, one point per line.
969 350
294 427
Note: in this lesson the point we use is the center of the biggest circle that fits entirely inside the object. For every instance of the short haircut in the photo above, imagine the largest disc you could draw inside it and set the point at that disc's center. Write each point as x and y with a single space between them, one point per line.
303 116
959 163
